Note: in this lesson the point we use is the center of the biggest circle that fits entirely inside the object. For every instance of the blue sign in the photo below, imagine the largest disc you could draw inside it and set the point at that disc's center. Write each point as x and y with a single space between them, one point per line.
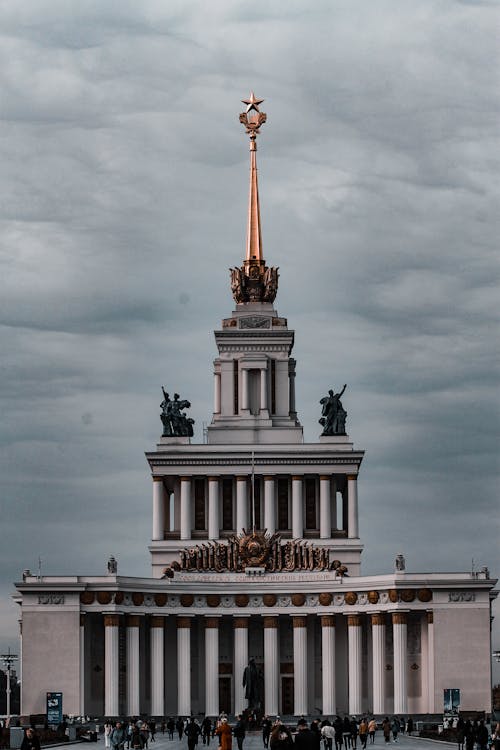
54 708
451 701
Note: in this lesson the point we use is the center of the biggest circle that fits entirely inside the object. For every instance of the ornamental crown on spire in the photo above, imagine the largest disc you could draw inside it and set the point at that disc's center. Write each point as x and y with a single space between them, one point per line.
253 281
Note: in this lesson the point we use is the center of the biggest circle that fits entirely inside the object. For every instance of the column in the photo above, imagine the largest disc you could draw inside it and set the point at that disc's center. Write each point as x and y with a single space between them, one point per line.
216 392
185 507
271 665
240 625
263 390
133 622
354 638
111 676
241 504
211 666
184 666
269 505
378 662
245 400
333 497
82 663
325 517
352 507
399 635
291 377
213 508
300 665
430 661
328 664
157 624
297 508
158 509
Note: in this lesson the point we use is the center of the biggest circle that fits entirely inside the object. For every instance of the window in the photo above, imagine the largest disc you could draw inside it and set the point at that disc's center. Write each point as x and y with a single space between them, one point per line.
227 504
283 504
310 489
199 504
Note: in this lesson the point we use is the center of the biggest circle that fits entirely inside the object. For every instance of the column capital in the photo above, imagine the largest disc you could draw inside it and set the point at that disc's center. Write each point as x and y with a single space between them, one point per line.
430 617
111 621
240 622
211 622
352 477
156 478
132 621
157 621
299 621
354 621
271 622
269 478
378 618
185 479
325 477
297 478
399 618
327 621
183 622
213 479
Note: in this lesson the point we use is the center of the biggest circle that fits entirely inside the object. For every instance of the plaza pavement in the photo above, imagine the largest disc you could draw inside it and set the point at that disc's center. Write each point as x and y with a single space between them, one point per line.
253 741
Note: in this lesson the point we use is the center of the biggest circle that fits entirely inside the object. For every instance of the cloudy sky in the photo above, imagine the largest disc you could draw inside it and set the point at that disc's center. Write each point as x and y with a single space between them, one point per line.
123 201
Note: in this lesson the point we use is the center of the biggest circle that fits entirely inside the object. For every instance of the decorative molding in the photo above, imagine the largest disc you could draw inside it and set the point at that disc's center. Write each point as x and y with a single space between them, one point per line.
55 599
462 596
87 597
327 621
213 600
271 622
211 622
373 597
160 600
378 618
299 622
350 597
424 595
104 597
298 600
325 599
186 600
393 595
269 600
133 621
354 621
407 595
183 622
240 622
241 600
157 621
111 621
261 460
399 618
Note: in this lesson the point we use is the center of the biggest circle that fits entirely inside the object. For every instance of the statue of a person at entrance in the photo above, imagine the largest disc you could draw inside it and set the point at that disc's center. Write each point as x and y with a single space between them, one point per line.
333 414
251 683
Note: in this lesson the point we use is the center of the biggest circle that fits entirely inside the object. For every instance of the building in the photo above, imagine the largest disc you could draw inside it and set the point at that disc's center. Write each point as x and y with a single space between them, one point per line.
255 553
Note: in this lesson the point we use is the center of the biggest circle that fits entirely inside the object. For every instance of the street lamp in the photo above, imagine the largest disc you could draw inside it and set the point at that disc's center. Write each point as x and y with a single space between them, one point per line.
8 660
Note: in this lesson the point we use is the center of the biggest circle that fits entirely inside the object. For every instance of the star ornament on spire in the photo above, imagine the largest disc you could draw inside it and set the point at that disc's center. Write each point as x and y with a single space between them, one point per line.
252 118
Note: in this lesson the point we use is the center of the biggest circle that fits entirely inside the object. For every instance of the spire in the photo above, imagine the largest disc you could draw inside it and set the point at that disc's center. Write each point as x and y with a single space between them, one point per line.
254 281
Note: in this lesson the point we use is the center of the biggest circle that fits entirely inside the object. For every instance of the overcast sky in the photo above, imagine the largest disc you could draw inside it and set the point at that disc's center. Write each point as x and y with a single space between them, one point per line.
124 188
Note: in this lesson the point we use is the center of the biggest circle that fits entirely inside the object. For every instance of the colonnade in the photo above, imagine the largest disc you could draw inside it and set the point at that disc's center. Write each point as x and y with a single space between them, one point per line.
271 663
328 486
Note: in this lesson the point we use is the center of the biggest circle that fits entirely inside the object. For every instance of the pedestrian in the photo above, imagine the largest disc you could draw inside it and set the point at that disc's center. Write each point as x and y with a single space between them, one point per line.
266 730
482 736
152 729
372 728
192 733
346 732
224 733
145 733
354 733
280 738
363 732
338 725
305 739
206 730
328 734
239 731
180 727
386 728
118 737
30 740
495 737
409 727
395 727
108 728
136 738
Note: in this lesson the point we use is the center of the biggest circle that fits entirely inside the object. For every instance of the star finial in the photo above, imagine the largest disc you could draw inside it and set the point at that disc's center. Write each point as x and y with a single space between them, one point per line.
252 102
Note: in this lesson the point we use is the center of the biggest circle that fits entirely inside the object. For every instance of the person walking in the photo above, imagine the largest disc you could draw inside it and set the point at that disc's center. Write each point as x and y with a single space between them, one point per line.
224 733
266 730
152 729
363 732
338 727
192 733
206 730
280 738
118 737
30 740
395 727
170 728
136 738
386 728
239 731
346 732
108 728
409 727
305 739
372 728
180 726
328 734
482 736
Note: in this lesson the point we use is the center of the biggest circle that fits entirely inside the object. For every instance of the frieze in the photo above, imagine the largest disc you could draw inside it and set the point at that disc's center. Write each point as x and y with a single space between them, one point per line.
461 596
55 599
255 321
243 461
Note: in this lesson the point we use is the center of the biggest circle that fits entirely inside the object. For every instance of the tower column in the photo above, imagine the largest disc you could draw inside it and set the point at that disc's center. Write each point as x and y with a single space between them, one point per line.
354 639
157 624
297 508
158 509
184 666
430 661
241 504
352 507
263 390
328 664
378 662
333 498
185 507
111 677
245 394
217 398
82 661
133 623
213 508
291 380
399 634
269 505
240 625
271 665
325 517
300 665
211 666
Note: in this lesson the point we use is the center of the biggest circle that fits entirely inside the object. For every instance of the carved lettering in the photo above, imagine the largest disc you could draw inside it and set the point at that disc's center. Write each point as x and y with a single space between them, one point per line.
51 599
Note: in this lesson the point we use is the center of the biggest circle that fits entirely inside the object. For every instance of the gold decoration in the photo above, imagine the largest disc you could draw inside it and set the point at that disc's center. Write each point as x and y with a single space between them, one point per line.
399 618
87 597
186 600
240 622
111 621
298 600
157 621
393 595
211 622
378 618
269 600
325 598
160 600
183 622
138 598
424 595
373 597
271 622
354 621
119 597
350 597
241 600
327 621
133 621
213 600
104 597
299 622
407 595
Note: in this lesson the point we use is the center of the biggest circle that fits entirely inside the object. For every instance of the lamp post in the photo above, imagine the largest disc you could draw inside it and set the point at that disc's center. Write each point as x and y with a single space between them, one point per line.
8 660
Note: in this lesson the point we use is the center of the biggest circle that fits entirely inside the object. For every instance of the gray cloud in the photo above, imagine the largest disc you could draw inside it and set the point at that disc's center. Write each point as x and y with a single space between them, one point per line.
124 198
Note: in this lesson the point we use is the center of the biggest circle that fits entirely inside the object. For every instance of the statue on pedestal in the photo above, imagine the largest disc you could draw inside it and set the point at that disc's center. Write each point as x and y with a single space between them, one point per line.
175 422
333 414
252 685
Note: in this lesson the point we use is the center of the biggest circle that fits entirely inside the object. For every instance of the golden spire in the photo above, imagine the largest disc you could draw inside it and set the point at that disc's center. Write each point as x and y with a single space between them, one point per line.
253 282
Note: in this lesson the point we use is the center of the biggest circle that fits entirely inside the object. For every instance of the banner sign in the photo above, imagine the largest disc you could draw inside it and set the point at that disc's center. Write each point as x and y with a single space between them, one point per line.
451 701
54 708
